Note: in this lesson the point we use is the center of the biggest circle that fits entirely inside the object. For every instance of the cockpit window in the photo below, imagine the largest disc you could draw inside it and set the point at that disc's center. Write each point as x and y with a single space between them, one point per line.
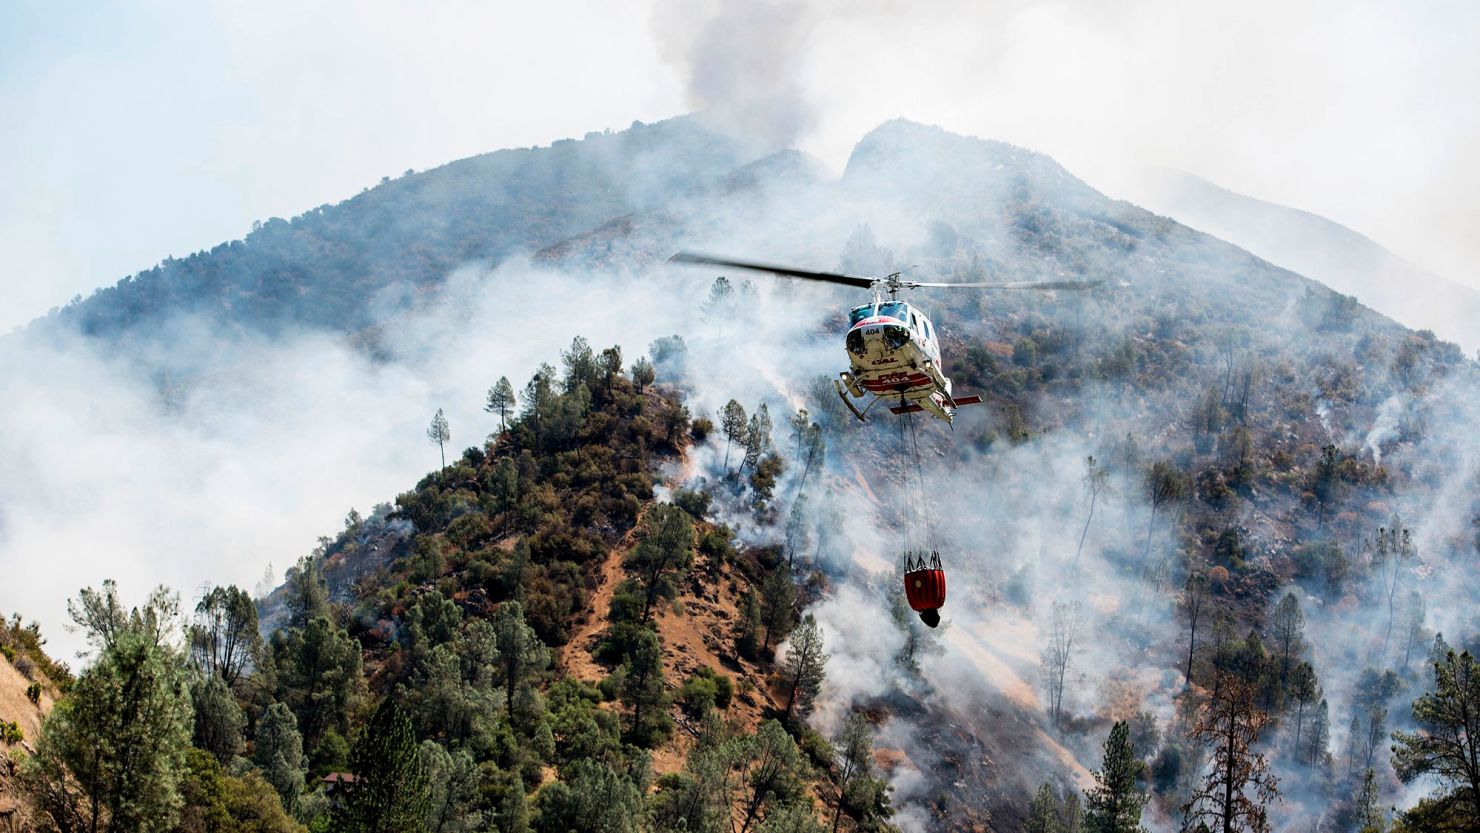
895 309
860 313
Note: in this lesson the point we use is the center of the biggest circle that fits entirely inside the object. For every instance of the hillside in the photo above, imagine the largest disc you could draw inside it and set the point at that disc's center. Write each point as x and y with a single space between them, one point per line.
30 683
1209 477
1319 248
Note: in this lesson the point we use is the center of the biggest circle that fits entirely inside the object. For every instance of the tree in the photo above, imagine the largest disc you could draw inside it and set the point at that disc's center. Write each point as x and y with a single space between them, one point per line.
1447 743
770 762
224 636
1237 791
1164 484
1391 553
1194 597
1096 478
592 798
1043 813
853 751
218 719
439 433
663 553
110 755
452 779
816 452
643 690
1306 690
609 363
1415 630
1113 804
580 365
778 606
390 792
643 373
733 425
521 654
1370 817
307 593
277 750
804 668
1058 654
748 626
501 401
799 422
1288 628
318 675
797 536
1319 736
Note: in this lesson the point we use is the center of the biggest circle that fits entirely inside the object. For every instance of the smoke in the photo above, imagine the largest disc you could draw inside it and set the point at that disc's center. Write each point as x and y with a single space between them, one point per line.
743 64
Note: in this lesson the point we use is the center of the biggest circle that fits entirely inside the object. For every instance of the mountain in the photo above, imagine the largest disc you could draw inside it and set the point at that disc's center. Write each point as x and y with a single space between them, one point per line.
1319 248
1211 477
344 267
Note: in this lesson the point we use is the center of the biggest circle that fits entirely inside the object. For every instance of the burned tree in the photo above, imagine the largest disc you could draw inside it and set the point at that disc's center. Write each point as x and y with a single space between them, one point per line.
1194 598
1058 654
1236 793
1096 478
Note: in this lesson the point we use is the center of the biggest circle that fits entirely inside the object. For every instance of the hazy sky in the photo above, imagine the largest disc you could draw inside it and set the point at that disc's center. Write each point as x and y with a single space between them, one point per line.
132 132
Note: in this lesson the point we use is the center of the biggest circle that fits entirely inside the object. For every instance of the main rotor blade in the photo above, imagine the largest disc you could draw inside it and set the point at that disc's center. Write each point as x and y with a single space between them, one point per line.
786 271
1044 285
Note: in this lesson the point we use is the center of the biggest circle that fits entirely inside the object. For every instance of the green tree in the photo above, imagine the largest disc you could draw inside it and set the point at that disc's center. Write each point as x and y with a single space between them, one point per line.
277 750
1306 690
121 734
452 779
1370 816
643 690
771 765
733 425
804 668
643 373
390 792
216 800
799 422
306 593
1043 813
592 798
778 606
797 535
501 401
439 433
1287 625
748 626
1113 804
219 721
663 552
318 676
580 365
1447 744
224 638
864 797
521 654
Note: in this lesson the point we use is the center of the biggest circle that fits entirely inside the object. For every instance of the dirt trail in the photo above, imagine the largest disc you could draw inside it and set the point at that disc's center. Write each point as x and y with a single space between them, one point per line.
575 657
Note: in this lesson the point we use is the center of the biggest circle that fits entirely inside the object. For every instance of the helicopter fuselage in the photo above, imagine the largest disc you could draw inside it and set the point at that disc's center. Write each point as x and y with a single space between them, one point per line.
894 354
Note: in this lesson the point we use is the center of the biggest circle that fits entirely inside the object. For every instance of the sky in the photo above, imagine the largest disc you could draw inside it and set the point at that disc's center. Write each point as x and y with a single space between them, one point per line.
149 129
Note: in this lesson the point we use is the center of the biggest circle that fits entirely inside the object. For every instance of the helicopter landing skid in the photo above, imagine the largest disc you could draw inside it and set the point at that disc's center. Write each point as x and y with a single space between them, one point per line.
843 395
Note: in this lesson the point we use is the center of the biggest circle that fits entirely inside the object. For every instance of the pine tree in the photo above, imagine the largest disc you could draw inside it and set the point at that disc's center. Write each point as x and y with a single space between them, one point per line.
1238 789
1043 813
501 401
663 553
804 668
121 734
1113 804
224 639
643 691
277 750
1370 817
218 719
390 788
643 374
733 425
1288 627
778 606
521 654
439 433
1448 743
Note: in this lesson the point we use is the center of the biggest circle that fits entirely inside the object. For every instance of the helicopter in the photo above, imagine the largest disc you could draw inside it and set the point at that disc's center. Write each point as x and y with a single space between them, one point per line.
893 350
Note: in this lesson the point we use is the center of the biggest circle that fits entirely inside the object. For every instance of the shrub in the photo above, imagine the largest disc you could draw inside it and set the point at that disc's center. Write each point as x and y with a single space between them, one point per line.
700 429
10 732
33 693
7 652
